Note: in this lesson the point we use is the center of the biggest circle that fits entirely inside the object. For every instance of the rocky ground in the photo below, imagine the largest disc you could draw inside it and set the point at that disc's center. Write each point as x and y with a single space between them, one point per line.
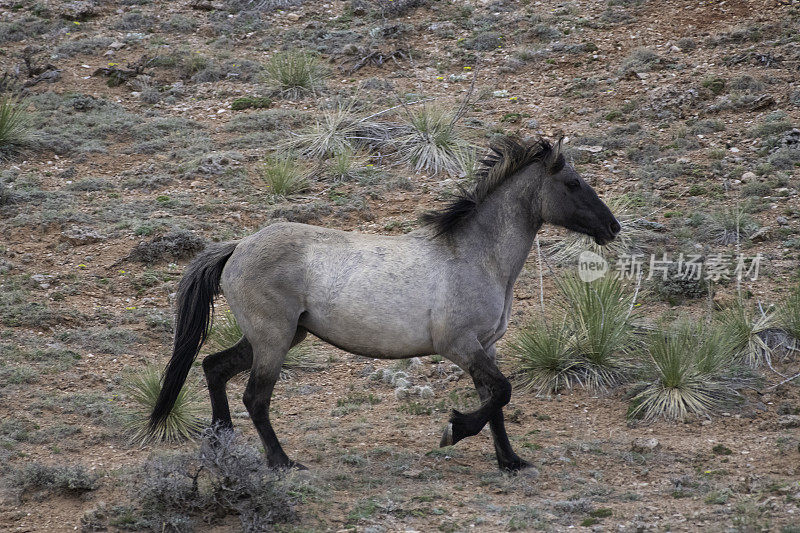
137 156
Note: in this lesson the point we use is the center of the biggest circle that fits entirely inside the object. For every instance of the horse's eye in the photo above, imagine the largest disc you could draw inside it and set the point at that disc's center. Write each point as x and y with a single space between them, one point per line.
573 185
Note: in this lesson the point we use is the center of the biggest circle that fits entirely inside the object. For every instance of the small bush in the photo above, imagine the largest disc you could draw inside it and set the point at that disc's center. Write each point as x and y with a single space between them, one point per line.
295 73
745 329
182 422
678 285
251 102
347 165
432 142
641 60
284 175
13 122
690 370
788 315
484 41
175 245
729 225
67 480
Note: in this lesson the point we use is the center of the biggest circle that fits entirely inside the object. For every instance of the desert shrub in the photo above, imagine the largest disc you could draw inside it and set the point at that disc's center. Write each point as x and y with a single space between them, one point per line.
677 286
101 339
284 175
85 46
788 315
225 478
14 121
641 60
349 164
432 141
690 370
295 73
484 41
174 245
773 124
686 44
745 329
65 480
182 422
248 102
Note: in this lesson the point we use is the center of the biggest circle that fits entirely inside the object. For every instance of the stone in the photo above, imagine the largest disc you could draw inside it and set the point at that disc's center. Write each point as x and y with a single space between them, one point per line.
761 235
645 445
789 421
79 10
78 236
783 221
748 176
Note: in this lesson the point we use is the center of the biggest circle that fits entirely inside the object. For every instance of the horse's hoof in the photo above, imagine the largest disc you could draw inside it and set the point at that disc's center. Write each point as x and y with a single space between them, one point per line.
294 465
515 465
447 437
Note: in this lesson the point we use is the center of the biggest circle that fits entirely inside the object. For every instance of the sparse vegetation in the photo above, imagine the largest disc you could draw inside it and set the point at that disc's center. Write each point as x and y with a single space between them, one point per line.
284 175
13 122
432 142
788 315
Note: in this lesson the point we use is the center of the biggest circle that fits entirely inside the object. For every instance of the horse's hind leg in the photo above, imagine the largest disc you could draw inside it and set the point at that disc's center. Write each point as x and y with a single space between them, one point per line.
269 352
220 367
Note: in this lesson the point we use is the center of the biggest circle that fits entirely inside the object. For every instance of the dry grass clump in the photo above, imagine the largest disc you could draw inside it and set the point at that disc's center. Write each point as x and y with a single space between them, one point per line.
295 73
432 142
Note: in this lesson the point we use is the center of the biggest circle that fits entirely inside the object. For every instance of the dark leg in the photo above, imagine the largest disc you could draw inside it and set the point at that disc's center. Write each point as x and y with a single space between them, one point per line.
268 358
497 394
219 368
507 459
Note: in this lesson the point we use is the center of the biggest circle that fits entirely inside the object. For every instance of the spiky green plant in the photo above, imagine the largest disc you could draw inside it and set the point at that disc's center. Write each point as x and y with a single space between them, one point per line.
634 231
432 142
284 175
690 369
789 315
295 73
545 358
337 131
745 328
182 422
226 332
347 165
730 225
599 315
13 122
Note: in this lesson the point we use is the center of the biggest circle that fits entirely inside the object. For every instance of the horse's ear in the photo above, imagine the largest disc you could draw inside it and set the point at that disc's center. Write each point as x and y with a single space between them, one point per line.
555 160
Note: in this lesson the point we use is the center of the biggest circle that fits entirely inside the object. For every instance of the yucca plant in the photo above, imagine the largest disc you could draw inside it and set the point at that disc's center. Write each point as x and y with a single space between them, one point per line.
432 142
690 369
295 73
13 122
347 165
730 225
599 315
788 315
634 231
284 175
337 131
746 329
182 422
545 359
226 332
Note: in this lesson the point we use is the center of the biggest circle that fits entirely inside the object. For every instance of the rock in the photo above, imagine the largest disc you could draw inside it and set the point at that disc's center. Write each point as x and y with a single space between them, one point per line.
43 280
592 149
532 124
761 235
783 221
68 174
789 421
219 163
78 236
644 445
502 93
748 176
80 10
116 45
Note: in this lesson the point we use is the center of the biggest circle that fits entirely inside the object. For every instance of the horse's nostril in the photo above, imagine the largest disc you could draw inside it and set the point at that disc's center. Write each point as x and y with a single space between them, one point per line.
615 227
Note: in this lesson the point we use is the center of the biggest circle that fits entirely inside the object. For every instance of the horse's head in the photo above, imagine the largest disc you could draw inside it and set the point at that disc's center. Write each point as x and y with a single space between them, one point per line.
570 202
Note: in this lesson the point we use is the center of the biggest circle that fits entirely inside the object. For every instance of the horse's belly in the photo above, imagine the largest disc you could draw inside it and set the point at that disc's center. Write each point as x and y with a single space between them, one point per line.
374 334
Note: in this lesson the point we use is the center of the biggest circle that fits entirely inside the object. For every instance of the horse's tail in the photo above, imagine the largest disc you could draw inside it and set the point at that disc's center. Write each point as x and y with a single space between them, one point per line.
196 292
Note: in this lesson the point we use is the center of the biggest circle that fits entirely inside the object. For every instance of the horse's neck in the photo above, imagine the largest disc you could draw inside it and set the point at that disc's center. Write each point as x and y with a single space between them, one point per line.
502 231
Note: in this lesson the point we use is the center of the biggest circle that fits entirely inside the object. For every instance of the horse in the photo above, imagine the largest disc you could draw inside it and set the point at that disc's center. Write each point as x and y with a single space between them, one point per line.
445 288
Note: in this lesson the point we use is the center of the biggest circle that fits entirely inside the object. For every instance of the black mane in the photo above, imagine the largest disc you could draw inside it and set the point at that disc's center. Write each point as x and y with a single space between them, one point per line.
508 155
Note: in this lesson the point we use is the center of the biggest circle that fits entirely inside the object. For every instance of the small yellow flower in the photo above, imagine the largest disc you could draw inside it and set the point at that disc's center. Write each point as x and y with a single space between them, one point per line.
708 471
439 77
130 308
76 22
514 98
82 266
113 64
467 68
121 271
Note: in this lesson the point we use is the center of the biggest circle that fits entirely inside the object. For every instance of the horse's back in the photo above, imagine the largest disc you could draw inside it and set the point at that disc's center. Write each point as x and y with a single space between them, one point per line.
368 294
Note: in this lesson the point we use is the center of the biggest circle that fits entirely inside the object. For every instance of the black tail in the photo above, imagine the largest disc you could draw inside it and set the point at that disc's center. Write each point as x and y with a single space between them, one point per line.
196 292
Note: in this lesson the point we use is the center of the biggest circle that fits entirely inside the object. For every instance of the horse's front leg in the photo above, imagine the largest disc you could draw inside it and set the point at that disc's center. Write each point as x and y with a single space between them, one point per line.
494 390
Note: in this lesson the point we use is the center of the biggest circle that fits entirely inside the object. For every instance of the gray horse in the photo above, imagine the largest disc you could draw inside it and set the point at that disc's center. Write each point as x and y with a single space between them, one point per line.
444 289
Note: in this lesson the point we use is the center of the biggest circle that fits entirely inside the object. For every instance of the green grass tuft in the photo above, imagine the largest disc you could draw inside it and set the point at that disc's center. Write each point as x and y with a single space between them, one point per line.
545 358
182 422
295 73
789 315
432 143
284 175
13 122
691 371
744 328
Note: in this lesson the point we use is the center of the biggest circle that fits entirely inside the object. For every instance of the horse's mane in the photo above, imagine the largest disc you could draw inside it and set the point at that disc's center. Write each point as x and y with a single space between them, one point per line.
508 156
